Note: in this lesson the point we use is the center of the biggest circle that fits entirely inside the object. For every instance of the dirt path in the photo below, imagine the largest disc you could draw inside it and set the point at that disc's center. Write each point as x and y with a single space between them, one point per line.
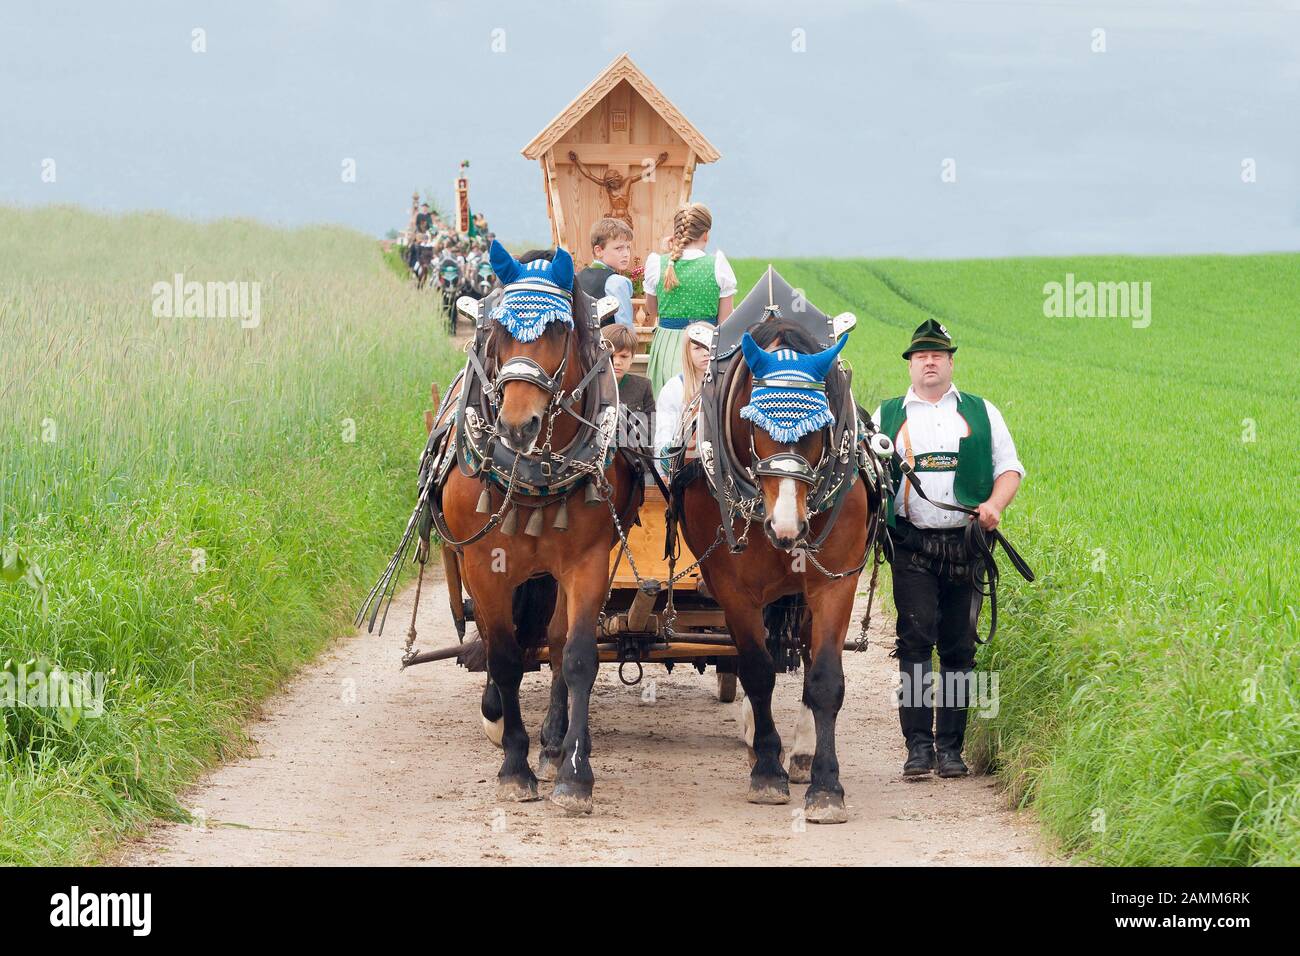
359 763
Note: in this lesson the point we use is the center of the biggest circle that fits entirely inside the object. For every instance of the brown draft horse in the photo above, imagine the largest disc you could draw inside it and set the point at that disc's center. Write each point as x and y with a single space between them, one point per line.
521 581
773 566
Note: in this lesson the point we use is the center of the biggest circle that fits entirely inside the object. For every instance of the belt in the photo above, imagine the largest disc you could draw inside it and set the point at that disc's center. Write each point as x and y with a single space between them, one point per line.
676 323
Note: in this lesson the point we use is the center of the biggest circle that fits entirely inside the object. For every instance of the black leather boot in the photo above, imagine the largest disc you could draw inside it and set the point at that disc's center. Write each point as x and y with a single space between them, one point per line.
920 760
951 765
950 721
916 716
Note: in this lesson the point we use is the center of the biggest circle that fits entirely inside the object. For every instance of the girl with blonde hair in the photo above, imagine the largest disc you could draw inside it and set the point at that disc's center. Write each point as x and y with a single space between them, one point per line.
677 398
682 286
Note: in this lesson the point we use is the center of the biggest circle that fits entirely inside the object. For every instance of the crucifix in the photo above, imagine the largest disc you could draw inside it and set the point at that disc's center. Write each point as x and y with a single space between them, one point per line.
618 188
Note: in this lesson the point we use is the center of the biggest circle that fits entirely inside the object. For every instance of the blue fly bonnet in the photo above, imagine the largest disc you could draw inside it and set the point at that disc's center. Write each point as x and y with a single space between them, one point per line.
789 395
536 293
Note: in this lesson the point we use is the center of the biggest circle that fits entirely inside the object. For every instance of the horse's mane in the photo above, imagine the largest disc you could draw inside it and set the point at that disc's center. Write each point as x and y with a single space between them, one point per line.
795 337
588 343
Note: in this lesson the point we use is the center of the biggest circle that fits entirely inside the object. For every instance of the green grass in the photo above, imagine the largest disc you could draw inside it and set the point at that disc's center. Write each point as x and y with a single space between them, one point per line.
204 525
1149 678
207 502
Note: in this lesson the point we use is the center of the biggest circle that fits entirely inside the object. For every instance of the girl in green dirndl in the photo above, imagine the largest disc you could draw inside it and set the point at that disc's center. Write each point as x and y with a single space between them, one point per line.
684 285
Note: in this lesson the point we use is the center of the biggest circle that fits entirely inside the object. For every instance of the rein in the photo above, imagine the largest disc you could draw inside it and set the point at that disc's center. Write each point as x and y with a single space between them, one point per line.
980 545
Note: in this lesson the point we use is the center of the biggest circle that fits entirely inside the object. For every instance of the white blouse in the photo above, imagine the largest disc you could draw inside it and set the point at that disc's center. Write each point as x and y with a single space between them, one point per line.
668 413
669 428
721 271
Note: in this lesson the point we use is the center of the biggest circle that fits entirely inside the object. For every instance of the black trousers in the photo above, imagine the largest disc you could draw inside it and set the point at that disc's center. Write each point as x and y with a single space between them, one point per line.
933 594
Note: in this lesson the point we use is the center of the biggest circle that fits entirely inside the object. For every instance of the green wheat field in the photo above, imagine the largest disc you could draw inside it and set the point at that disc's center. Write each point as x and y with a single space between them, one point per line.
193 508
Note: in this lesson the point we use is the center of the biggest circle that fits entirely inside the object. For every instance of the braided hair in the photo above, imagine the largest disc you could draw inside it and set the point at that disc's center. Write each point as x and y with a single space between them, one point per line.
689 223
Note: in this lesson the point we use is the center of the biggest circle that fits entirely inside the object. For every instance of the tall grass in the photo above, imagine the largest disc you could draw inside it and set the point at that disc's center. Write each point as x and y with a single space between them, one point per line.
1148 680
205 501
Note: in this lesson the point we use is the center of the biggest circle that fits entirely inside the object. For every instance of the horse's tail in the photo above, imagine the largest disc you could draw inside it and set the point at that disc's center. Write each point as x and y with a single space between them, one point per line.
783 620
531 606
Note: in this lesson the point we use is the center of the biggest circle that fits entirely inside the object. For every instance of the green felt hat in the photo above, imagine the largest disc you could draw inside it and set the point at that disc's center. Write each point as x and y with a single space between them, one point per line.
930 336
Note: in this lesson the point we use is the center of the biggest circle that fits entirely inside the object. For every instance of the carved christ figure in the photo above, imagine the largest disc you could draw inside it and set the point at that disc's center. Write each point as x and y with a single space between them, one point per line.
618 188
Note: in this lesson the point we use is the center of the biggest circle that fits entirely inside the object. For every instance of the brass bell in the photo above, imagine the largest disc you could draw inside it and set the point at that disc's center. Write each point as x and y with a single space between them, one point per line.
534 526
484 506
592 495
510 522
562 516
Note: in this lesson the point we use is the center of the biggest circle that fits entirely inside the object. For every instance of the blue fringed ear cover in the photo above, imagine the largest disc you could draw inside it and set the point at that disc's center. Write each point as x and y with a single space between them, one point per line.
527 308
760 361
787 414
504 264
559 270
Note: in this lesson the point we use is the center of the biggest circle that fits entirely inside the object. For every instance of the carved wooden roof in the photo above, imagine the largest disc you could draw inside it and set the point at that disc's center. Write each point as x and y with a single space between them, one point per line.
621 69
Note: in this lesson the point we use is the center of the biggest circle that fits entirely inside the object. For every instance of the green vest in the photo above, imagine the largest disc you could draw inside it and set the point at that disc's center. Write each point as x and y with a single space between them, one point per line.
973 461
696 294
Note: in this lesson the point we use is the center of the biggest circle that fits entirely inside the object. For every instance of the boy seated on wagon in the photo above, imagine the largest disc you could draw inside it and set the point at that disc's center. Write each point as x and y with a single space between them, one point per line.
633 390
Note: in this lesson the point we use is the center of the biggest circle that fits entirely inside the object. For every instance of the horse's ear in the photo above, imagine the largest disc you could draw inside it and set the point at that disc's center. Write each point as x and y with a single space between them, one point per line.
821 362
505 265
562 268
755 356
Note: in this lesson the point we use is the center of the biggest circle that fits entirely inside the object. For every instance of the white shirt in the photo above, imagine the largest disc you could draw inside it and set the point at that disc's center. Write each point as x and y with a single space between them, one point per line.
721 271
936 426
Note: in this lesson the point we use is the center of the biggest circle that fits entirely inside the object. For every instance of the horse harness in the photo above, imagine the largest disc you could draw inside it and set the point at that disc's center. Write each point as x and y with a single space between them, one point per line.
532 480
849 448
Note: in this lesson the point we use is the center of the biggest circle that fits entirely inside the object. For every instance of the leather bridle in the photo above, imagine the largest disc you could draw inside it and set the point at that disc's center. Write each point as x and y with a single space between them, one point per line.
788 464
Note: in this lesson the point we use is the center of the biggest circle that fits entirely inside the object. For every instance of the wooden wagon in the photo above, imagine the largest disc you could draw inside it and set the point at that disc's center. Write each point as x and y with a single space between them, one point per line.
631 628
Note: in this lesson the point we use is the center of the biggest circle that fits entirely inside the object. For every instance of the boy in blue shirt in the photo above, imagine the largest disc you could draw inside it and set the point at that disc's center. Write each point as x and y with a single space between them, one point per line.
611 249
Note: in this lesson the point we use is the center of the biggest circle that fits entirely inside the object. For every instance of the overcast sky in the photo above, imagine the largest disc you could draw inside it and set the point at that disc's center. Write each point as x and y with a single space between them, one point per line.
836 150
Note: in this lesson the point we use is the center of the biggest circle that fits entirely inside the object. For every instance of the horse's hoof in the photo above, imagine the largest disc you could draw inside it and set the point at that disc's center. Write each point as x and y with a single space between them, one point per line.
547 766
494 730
771 793
573 802
825 807
517 791
801 768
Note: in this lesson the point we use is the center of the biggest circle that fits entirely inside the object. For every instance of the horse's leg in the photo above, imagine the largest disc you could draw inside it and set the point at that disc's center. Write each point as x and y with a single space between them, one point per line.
805 731
556 723
584 593
505 659
494 721
824 694
768 782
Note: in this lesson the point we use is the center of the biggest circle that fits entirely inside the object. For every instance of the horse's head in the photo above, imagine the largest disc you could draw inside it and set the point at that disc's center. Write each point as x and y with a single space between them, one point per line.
789 413
533 335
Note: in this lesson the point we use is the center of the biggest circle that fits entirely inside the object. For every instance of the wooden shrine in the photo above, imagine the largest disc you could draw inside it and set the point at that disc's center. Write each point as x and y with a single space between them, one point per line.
620 149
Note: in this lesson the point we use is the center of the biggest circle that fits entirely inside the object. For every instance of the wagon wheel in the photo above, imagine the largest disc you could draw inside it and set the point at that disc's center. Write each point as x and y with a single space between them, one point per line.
726 681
